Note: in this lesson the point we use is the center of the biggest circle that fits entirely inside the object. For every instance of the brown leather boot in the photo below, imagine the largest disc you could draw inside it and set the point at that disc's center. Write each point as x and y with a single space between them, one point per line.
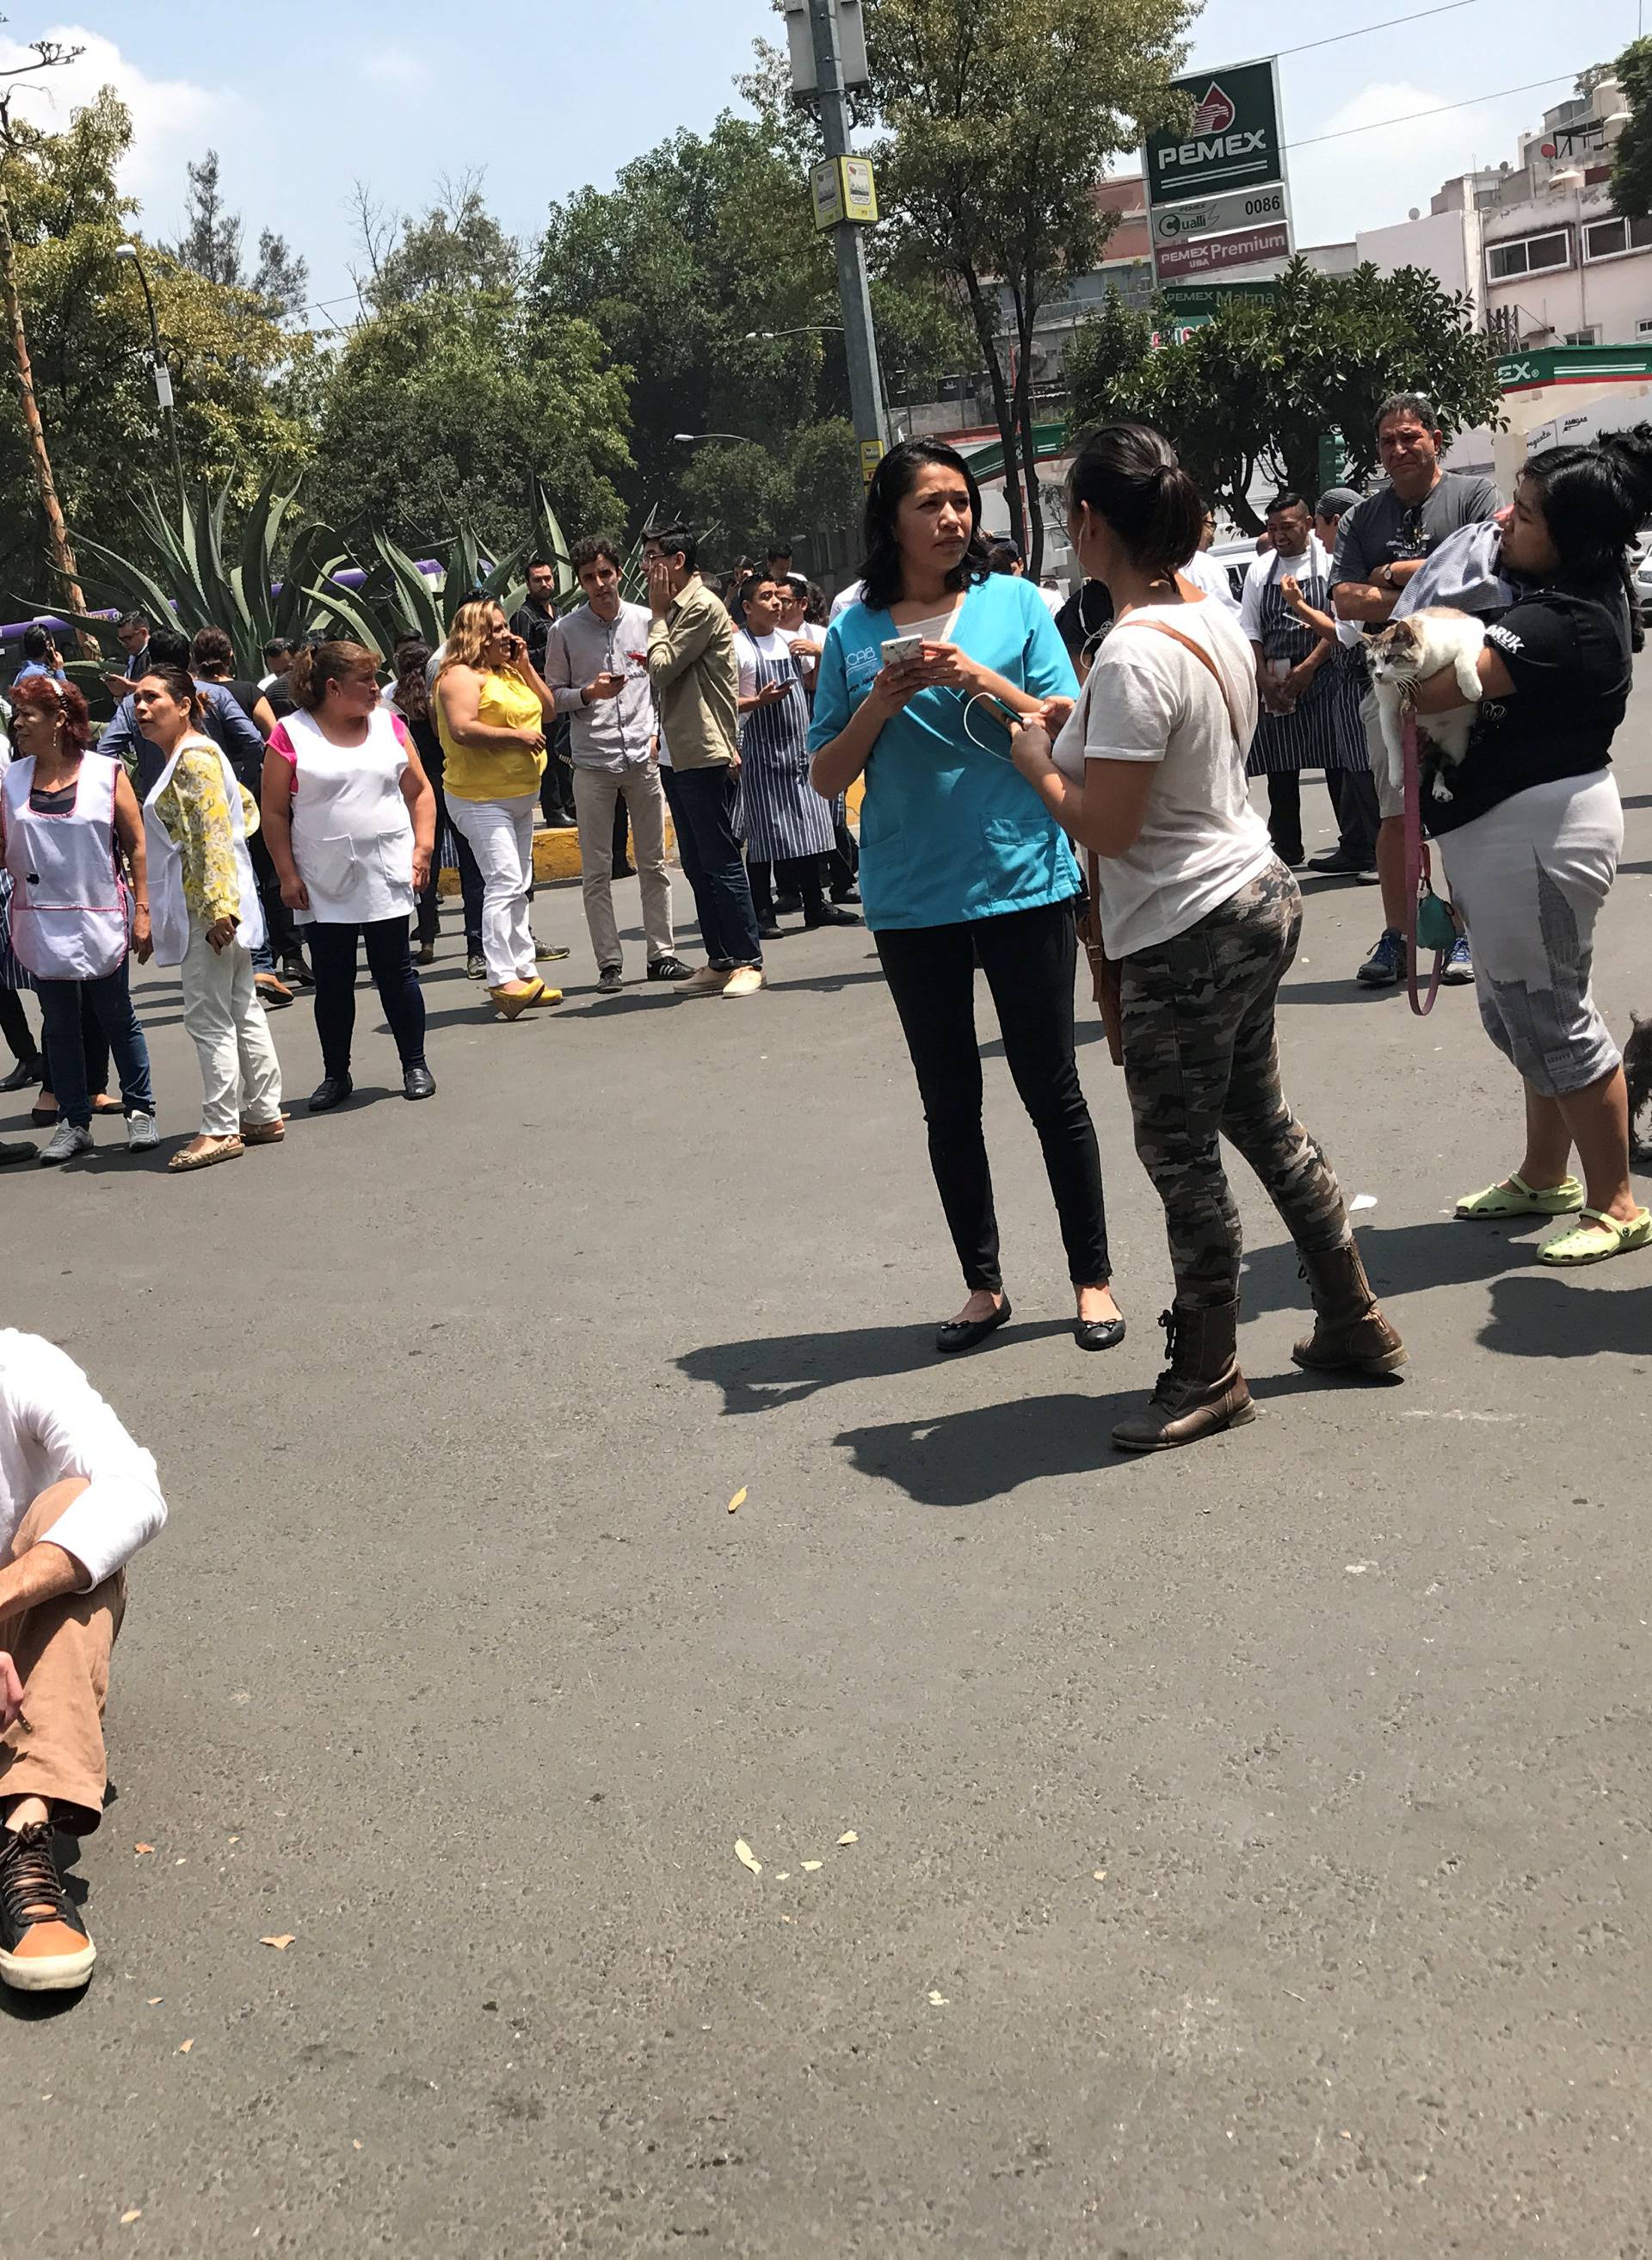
1350 1335
1201 1390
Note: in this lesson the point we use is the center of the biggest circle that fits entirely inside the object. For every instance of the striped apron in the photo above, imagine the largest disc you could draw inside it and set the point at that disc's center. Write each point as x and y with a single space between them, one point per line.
779 814
1313 737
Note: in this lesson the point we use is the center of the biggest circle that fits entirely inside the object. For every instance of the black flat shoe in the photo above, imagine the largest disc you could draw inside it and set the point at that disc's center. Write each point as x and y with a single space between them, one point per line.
332 1090
25 1149
964 1333
24 1075
768 930
831 914
1099 1334
417 1082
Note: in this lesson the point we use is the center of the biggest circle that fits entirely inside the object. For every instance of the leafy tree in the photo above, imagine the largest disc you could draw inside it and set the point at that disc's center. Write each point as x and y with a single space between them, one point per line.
447 406
211 245
1256 389
999 116
457 246
239 379
1632 154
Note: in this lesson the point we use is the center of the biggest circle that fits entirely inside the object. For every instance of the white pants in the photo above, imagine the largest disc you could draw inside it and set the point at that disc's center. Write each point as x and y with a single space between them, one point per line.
501 836
225 1020
596 792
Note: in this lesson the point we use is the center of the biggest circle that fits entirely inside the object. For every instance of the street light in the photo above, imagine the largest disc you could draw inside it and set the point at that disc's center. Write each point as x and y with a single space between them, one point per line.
809 329
692 439
162 375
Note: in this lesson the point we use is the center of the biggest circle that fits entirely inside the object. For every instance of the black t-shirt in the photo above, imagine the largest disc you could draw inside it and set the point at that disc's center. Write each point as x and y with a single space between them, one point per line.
1566 653
245 695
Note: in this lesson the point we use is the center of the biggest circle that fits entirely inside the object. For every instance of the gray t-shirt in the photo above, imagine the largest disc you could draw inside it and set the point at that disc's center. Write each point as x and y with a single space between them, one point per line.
1384 530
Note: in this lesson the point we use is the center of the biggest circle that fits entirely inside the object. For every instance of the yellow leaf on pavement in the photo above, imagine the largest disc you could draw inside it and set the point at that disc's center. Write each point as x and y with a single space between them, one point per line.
185 2047
743 1853
280 1943
848 1837
738 1499
141 1848
808 1866
135 2213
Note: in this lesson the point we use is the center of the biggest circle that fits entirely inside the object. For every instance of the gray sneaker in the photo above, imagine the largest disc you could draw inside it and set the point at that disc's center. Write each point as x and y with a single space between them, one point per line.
610 981
142 1136
67 1140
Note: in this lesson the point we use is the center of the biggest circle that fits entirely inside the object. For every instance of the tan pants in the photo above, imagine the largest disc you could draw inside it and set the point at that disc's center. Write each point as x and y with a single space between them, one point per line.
596 792
60 1648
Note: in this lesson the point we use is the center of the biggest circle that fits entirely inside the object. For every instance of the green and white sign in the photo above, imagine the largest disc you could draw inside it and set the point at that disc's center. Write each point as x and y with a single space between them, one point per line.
1232 141
1246 207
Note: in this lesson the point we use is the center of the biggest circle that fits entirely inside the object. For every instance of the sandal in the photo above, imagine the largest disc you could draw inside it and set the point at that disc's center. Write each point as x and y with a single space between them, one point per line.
1515 1197
264 1133
221 1149
1597 1239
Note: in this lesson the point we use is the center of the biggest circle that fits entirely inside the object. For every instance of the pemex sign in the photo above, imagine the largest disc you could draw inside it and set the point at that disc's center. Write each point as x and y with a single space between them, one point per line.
1231 140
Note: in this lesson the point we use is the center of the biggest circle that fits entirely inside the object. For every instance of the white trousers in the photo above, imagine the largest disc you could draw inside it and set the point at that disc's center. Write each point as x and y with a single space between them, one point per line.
501 836
224 1018
596 792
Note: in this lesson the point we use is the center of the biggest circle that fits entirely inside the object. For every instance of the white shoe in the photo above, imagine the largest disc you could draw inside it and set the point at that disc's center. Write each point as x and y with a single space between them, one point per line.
744 981
142 1136
67 1140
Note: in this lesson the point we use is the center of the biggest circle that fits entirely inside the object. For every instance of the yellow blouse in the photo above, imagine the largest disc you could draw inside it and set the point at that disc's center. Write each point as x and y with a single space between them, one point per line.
493 772
196 816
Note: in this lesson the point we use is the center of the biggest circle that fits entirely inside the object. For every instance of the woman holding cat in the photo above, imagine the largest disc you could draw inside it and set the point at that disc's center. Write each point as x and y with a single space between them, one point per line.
1531 831
1147 772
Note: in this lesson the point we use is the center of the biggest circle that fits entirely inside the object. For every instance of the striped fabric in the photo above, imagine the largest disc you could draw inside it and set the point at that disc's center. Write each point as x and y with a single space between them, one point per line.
778 812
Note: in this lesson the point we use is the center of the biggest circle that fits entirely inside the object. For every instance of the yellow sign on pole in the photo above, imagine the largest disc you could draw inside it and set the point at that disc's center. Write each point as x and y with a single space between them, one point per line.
844 190
871 456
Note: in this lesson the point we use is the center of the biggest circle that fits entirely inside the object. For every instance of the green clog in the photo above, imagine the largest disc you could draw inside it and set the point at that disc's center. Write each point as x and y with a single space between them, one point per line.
1516 1198
1597 1239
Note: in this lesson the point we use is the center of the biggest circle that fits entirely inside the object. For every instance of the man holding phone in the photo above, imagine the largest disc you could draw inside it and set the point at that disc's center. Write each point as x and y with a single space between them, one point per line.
596 664
131 632
691 666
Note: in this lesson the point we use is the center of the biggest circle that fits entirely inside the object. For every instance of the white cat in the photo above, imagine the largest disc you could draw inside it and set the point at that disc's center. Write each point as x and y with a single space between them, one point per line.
1423 644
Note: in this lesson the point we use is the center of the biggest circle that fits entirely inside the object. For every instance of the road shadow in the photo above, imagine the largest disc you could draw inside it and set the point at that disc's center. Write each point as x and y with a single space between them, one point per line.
972 1457
1543 1314
1406 1259
762 1376
1637 799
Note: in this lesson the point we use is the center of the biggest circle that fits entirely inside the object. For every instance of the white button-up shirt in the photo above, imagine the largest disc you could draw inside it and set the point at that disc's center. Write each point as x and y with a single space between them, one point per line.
53 1424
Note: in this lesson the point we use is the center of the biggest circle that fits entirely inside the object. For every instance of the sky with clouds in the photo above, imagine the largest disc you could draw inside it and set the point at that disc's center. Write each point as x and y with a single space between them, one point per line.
303 99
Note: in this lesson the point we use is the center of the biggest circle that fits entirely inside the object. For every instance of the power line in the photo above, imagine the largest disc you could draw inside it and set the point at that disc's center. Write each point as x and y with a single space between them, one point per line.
1446 8
1437 109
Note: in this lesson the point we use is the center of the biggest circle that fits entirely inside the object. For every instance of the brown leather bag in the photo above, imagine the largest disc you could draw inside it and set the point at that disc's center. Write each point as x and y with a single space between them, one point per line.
1104 970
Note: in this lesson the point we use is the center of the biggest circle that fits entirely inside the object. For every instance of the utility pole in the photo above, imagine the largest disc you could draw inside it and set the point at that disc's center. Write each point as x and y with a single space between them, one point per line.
860 341
128 254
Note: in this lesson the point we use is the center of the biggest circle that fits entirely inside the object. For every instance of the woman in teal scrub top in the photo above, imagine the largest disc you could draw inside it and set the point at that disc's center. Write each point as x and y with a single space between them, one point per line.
961 863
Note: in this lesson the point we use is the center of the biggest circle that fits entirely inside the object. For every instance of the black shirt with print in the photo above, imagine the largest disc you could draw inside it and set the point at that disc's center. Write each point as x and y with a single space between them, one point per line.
1567 654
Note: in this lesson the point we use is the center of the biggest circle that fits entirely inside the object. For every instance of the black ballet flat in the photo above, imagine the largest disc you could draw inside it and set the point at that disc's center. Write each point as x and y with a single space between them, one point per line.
331 1092
1099 1334
964 1333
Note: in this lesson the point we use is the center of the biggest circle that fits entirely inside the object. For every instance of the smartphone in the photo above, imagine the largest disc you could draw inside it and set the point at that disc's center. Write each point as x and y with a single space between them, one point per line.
899 649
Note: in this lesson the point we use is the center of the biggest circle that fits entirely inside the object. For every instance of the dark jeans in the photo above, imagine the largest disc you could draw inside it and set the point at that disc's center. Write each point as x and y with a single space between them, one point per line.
1028 957
793 874
702 803
61 1004
14 1027
556 782
1354 798
332 963
469 881
1284 815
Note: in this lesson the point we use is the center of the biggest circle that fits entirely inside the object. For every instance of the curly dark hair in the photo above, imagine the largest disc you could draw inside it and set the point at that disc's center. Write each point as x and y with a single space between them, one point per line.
64 698
883 575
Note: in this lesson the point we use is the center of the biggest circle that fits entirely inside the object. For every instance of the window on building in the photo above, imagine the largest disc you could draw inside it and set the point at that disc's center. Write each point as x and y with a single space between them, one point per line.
1610 239
1643 328
1579 338
1528 254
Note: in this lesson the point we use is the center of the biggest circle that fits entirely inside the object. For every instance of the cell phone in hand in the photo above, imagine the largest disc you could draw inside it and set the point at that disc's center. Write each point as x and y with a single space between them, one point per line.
900 651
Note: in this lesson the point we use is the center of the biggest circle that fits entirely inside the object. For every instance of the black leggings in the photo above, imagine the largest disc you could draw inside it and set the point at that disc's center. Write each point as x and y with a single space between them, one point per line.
14 1027
1029 958
332 963
793 874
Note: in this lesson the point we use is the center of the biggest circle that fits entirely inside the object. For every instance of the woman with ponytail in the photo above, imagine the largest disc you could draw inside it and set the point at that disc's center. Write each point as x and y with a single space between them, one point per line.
960 866
1147 773
1531 834
351 822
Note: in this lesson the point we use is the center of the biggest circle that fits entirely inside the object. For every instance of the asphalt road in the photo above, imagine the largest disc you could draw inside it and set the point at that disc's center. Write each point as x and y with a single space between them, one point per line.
1252 1845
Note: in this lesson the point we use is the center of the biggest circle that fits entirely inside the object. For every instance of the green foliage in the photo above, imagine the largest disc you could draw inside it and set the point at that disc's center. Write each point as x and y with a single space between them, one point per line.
236 373
457 248
1255 389
1631 155
211 245
999 114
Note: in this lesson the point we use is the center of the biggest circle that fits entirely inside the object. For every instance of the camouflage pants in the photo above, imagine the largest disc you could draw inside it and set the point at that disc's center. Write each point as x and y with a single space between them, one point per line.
1201 1060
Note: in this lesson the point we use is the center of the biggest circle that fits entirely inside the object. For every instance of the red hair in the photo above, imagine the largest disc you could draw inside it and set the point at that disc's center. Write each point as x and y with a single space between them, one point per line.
66 699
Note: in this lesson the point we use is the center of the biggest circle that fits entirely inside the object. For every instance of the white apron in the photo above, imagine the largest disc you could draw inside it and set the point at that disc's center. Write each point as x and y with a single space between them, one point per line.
169 916
352 831
71 914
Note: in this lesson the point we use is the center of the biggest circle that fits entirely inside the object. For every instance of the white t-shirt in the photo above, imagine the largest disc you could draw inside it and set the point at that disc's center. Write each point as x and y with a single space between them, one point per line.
1149 700
749 648
1207 573
53 1424
1306 562
844 597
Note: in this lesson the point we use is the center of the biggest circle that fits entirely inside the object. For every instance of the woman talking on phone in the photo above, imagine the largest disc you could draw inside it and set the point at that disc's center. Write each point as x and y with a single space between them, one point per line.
492 712
960 862
1148 774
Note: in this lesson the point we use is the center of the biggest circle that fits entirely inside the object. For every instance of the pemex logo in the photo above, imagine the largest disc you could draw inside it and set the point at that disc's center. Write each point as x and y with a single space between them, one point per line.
1214 114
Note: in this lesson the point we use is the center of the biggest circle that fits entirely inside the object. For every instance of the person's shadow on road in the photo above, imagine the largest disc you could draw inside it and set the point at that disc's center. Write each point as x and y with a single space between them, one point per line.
758 1377
1543 1314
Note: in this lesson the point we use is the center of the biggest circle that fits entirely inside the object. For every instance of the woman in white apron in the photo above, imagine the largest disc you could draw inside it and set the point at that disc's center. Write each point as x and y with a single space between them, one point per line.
66 815
208 921
350 821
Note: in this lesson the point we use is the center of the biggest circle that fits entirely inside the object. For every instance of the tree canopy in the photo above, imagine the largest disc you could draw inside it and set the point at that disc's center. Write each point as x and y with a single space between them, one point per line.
1631 155
1255 389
